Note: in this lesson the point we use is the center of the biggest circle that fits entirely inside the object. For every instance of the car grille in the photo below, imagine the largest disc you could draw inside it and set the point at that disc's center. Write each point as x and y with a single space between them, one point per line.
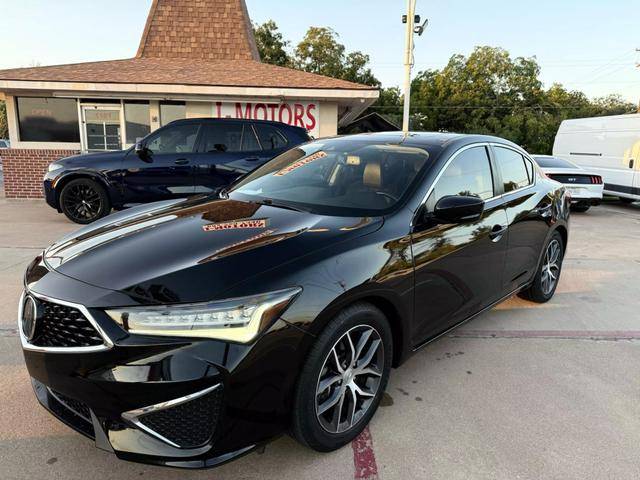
64 326
190 424
73 412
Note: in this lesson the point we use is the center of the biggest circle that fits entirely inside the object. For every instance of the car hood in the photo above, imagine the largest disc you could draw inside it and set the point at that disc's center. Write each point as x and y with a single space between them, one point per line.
81 160
190 250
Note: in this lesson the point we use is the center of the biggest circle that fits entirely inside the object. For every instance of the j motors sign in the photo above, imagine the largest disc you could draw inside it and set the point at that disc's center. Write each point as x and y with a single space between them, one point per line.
299 114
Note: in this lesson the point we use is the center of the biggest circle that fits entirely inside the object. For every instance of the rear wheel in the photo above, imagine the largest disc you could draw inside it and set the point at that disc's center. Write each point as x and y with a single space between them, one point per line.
546 280
84 201
343 378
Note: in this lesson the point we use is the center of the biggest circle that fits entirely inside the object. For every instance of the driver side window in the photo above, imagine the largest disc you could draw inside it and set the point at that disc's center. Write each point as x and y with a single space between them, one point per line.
468 174
174 139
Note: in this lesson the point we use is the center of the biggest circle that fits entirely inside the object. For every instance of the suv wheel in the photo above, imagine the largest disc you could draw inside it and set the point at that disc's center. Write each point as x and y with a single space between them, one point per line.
343 378
84 201
546 280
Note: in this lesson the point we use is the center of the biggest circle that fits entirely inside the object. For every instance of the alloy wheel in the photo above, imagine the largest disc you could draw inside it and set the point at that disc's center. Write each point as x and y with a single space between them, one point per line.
551 267
82 202
349 379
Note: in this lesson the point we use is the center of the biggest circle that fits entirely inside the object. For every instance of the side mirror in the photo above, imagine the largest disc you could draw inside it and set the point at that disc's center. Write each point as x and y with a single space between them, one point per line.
142 151
458 209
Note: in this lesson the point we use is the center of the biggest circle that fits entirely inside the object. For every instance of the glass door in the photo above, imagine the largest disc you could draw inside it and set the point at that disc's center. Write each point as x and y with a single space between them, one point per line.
102 128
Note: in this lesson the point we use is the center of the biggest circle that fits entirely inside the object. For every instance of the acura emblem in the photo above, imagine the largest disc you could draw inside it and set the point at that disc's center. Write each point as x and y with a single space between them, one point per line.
29 317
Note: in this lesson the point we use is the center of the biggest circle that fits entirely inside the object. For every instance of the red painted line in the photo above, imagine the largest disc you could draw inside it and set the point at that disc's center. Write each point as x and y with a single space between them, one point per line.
364 459
567 334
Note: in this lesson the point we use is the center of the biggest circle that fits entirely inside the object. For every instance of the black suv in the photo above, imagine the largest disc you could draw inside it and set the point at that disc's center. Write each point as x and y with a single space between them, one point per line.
183 158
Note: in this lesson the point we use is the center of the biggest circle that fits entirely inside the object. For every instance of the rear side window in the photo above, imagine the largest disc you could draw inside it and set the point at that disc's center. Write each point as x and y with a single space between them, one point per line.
222 137
513 169
468 174
270 137
229 137
174 139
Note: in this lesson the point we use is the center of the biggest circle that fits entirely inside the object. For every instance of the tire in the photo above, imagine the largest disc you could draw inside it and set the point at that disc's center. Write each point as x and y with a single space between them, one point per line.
84 201
540 291
319 430
580 207
626 200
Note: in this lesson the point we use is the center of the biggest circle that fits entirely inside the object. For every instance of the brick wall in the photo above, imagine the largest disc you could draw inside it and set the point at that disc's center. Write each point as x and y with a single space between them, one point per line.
24 168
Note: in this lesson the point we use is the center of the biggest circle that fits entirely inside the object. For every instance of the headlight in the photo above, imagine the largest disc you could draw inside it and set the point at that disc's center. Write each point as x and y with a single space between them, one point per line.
237 320
54 166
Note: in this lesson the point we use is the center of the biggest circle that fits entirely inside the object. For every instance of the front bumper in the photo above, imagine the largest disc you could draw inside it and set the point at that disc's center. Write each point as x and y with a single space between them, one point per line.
49 191
108 394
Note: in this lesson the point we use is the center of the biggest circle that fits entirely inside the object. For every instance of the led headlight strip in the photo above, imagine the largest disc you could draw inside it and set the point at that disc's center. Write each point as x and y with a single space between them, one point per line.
236 319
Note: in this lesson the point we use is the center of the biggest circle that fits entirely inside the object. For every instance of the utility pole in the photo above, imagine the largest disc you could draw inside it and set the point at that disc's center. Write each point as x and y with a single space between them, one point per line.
410 19
638 66
408 62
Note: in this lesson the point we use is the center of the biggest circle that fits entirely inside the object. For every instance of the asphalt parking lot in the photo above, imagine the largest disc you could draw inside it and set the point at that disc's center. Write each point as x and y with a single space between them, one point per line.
524 391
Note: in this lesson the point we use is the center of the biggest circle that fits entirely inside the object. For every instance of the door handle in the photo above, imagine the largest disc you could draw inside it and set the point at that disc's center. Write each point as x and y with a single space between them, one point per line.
631 162
497 232
252 159
181 161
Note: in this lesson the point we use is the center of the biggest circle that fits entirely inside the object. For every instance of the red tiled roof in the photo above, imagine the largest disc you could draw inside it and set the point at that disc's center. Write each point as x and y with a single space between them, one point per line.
198 29
176 71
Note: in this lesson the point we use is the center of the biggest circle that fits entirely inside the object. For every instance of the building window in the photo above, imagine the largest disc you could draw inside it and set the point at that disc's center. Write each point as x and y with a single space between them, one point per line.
170 111
136 118
48 119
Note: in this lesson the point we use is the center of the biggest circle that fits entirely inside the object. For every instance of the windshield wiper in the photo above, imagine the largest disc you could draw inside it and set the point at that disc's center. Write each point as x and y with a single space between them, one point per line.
270 203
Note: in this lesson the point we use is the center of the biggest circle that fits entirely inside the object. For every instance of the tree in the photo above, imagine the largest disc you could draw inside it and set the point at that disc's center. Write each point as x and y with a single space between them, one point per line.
489 92
271 45
4 129
320 52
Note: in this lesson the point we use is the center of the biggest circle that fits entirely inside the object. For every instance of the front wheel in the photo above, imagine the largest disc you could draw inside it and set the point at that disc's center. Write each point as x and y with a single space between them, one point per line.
84 201
343 378
546 280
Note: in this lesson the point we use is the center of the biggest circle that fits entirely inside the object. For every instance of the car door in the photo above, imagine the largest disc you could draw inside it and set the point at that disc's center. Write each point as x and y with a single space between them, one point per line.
164 170
458 267
529 213
226 151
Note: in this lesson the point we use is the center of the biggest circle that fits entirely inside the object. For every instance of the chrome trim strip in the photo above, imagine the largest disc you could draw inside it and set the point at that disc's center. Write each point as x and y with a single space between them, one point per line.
67 406
133 416
107 343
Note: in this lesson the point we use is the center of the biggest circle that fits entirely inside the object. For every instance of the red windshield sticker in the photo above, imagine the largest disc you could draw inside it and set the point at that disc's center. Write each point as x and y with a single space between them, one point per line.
300 163
236 225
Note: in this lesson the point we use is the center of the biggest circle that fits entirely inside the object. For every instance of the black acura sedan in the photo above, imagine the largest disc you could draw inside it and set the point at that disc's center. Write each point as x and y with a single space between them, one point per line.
189 332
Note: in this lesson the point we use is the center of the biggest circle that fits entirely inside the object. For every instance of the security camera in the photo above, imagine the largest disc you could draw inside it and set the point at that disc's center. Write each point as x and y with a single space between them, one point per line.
419 29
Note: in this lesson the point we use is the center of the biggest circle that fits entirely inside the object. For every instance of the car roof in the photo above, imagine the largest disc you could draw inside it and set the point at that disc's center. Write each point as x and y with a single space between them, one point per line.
424 139
232 120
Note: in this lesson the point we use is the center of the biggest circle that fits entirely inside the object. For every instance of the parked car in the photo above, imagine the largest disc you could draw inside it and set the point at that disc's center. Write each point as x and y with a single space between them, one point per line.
183 158
5 144
584 186
189 332
607 146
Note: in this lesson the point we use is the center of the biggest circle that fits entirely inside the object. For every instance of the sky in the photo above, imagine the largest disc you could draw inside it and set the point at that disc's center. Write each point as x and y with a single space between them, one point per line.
587 45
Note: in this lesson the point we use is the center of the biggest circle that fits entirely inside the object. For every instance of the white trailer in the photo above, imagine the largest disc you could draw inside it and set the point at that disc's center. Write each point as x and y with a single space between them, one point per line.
609 146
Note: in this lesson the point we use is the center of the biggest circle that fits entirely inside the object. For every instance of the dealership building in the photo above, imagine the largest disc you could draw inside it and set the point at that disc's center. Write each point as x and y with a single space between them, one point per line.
196 58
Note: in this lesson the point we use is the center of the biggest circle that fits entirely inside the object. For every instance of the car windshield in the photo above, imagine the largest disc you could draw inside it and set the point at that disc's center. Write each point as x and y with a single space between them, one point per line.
339 176
553 162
